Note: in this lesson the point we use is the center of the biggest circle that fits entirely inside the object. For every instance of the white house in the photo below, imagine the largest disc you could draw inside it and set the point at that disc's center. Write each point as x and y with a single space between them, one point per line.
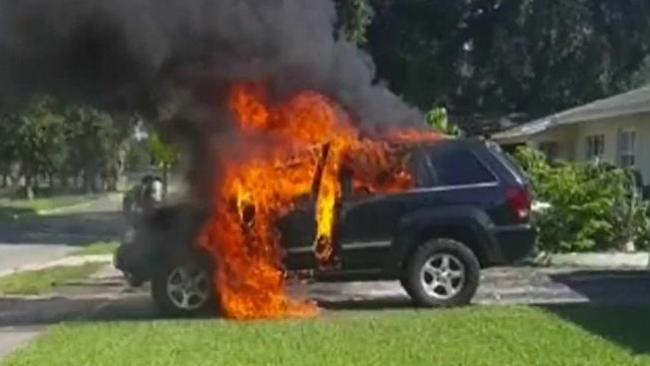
615 129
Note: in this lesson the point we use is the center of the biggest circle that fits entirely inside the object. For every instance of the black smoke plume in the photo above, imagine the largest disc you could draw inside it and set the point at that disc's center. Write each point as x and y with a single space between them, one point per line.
136 54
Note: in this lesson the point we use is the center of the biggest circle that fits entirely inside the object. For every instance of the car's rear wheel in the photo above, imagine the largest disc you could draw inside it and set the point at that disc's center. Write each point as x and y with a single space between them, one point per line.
183 290
442 273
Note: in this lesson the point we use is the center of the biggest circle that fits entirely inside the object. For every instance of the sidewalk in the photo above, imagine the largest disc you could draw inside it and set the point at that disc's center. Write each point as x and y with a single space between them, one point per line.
73 260
105 201
610 260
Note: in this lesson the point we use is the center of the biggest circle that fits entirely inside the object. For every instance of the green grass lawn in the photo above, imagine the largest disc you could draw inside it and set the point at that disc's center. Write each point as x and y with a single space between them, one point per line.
99 248
473 336
45 280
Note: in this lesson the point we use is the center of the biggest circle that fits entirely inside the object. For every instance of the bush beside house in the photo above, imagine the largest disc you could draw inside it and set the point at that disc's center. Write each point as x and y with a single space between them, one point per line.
593 207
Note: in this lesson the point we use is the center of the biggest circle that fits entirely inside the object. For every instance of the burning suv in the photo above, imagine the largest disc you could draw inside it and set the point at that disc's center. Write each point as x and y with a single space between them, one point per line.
467 207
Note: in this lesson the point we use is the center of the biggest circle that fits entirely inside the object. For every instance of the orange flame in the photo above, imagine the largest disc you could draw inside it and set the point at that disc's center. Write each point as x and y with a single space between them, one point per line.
307 141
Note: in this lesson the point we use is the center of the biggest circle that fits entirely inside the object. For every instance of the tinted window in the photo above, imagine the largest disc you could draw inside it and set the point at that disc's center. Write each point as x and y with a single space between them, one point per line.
510 162
417 166
418 169
453 166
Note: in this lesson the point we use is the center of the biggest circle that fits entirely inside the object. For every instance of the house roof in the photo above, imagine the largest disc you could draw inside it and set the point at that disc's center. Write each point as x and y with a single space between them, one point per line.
633 102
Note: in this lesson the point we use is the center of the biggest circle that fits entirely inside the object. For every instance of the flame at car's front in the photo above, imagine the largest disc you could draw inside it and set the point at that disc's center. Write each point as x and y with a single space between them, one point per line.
296 149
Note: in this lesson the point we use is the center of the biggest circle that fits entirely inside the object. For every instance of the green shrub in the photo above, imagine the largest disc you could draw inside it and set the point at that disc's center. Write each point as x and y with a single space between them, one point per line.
594 207
438 120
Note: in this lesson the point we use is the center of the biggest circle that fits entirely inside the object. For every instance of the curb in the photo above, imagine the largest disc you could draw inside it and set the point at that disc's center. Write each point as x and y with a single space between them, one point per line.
639 260
66 261
88 203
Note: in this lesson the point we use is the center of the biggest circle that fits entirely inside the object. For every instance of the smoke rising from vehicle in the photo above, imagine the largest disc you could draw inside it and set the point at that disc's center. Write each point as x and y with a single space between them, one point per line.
244 84
129 54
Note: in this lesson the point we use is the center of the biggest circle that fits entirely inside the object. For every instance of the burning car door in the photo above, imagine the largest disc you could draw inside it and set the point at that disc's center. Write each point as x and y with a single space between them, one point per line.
368 221
297 230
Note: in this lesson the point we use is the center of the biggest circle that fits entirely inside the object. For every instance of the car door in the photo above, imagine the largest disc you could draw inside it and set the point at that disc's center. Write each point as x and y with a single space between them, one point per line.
297 230
367 223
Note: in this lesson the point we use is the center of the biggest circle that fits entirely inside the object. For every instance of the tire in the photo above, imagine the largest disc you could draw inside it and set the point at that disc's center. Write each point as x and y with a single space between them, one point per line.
168 295
430 285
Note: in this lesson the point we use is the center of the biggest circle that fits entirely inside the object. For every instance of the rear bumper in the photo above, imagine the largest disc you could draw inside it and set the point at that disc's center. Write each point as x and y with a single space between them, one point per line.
512 243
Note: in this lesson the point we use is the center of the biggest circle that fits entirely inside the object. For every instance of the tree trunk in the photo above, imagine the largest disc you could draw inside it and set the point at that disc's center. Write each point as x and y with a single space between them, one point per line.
64 181
29 187
50 181
112 176
112 183
165 178
5 180
89 182
15 173
93 179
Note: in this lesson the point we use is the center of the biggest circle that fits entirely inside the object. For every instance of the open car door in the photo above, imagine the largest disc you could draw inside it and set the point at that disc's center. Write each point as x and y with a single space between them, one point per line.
298 228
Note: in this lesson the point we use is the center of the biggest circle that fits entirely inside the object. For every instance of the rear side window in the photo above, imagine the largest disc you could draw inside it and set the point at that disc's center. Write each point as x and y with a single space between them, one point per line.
454 167
507 160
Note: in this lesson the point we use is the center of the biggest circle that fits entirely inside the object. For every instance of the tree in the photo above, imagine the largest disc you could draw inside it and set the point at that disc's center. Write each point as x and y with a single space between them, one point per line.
354 17
98 145
164 155
498 57
416 46
7 157
60 141
138 156
36 141
118 142
639 78
438 119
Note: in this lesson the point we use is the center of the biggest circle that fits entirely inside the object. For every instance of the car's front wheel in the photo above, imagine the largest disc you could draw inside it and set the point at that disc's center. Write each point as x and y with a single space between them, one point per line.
183 290
442 273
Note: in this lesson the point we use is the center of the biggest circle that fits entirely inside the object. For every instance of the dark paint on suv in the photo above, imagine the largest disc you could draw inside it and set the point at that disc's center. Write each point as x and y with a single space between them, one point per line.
469 209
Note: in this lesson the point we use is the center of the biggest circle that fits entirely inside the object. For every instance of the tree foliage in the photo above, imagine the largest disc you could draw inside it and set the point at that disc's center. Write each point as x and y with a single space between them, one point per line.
98 144
592 206
35 139
162 152
354 18
502 56
437 118
52 139
164 155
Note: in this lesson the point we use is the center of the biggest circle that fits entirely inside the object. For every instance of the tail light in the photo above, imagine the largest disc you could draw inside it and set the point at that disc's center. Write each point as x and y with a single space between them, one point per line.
519 200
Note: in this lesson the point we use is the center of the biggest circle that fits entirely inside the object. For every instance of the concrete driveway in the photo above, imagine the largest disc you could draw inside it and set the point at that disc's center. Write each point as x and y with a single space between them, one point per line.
502 286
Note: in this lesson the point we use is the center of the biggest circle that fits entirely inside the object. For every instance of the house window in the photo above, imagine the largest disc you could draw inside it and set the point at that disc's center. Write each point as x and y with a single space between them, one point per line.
595 147
626 148
550 149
